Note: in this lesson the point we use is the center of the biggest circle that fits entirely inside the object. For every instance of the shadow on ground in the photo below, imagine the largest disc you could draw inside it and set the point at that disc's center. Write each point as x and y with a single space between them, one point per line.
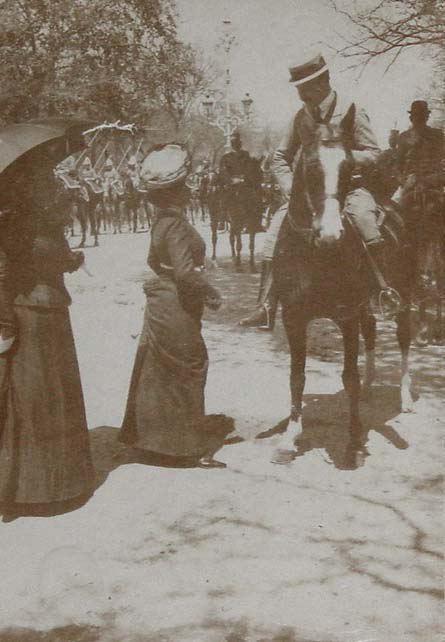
212 629
326 424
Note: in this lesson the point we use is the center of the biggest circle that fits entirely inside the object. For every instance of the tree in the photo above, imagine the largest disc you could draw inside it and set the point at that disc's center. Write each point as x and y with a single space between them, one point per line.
390 27
104 59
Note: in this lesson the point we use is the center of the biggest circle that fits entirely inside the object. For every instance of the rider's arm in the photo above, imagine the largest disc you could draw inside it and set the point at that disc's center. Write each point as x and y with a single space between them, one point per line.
365 149
283 158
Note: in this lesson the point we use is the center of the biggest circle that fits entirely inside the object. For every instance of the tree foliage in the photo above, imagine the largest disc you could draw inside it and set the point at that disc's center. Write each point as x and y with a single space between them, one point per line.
105 59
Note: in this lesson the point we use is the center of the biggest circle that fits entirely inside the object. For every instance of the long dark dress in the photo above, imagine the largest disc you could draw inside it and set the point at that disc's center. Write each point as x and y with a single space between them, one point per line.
165 407
44 445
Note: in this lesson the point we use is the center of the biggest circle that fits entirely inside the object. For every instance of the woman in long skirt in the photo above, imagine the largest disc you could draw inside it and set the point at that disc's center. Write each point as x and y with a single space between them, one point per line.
45 459
165 408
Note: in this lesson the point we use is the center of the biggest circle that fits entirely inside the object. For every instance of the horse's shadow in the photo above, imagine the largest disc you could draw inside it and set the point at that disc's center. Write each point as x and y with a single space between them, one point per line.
326 426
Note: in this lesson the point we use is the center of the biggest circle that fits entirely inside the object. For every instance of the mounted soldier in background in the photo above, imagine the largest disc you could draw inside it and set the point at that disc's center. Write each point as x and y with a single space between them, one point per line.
238 181
421 157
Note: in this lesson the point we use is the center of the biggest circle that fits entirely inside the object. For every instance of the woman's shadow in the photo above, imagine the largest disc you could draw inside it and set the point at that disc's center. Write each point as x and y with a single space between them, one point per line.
326 426
109 453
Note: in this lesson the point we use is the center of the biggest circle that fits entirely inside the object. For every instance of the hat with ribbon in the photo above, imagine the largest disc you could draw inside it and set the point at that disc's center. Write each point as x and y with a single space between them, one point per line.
419 107
165 165
308 69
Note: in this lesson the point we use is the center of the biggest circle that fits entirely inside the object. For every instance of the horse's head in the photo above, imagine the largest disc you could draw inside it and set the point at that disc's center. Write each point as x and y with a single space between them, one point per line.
324 174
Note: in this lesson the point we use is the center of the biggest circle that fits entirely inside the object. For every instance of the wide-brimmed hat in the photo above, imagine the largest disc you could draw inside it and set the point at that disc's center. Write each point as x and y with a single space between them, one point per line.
307 68
419 107
165 165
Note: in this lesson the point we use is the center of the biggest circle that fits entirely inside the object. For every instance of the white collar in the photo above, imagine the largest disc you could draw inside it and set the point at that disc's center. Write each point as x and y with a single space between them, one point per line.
326 103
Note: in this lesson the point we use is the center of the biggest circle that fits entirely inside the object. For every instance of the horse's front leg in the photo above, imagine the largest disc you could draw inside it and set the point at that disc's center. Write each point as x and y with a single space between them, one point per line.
252 252
350 375
368 331
356 446
404 339
295 325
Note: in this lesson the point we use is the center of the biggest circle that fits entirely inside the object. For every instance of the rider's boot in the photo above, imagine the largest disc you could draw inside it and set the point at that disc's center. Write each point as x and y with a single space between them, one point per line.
263 317
386 298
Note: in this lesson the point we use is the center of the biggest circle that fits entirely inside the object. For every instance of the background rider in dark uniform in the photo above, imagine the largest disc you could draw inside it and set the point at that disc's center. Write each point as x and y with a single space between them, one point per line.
421 158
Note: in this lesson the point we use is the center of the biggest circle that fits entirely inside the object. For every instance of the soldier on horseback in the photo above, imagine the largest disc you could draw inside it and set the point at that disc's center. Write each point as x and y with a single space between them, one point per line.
325 117
421 156
236 177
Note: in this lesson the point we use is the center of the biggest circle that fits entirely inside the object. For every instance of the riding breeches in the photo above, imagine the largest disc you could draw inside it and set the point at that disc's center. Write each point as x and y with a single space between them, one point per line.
272 233
362 209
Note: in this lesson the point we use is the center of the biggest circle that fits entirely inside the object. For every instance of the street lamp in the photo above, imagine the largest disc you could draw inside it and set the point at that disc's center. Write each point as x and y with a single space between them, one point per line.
218 112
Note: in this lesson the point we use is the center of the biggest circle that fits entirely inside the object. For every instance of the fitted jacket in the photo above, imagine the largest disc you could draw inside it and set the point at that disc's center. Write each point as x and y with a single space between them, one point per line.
347 122
177 252
37 273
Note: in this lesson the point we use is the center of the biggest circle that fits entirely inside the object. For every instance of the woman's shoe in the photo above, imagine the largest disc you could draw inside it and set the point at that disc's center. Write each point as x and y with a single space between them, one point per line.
209 462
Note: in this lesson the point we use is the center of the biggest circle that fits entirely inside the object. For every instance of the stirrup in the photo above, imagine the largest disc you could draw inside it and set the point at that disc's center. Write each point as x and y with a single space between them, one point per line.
389 303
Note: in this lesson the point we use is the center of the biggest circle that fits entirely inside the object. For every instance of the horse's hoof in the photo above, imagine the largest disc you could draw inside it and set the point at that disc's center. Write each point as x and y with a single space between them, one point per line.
407 407
354 457
282 456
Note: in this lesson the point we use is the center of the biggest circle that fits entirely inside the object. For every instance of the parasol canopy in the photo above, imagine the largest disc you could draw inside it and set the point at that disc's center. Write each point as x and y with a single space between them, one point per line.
18 139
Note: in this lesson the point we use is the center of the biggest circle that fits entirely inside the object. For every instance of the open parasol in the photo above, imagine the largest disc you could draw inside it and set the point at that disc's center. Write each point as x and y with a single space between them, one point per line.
18 139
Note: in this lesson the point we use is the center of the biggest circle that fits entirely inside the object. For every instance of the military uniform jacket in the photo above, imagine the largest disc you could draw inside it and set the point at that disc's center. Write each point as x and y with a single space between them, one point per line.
422 154
342 120
235 164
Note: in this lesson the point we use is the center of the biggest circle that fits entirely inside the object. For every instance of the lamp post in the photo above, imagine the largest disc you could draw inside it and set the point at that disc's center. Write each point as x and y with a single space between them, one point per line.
216 106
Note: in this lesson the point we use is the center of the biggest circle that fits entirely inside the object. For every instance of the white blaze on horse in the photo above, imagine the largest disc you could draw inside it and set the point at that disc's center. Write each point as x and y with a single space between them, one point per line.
324 273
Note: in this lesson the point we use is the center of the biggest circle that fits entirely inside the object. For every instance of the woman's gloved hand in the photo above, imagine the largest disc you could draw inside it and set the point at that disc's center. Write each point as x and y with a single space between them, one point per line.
213 299
7 338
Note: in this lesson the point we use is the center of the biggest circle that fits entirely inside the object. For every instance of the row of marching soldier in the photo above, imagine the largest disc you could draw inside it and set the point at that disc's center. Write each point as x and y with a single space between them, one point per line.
109 198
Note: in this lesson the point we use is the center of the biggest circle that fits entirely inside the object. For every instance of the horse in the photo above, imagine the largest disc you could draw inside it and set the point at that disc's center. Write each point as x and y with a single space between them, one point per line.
242 204
426 208
215 208
321 271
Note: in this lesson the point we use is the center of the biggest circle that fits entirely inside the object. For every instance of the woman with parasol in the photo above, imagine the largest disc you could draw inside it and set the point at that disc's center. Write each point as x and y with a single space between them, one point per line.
165 406
45 461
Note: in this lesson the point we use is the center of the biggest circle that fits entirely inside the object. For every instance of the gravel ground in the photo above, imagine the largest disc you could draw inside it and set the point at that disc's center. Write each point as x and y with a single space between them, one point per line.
308 552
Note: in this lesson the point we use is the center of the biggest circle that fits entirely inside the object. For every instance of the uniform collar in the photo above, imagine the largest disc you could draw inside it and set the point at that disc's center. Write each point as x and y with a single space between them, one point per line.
326 104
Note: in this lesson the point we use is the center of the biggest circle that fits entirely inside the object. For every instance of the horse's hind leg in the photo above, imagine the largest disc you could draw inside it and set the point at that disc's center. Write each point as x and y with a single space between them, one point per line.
404 339
252 252
295 325
214 228
368 331
238 248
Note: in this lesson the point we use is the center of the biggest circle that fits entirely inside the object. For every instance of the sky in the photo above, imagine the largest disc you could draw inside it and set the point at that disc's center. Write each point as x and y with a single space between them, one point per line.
271 34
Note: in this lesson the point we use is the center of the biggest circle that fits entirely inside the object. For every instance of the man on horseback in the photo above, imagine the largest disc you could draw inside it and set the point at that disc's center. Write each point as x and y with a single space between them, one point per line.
236 179
421 158
325 117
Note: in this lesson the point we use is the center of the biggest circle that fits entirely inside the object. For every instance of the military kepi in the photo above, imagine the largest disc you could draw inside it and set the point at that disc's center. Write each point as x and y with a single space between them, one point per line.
306 71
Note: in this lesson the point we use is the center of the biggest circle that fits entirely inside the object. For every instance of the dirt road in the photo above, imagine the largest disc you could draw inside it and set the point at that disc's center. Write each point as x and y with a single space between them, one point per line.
308 552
